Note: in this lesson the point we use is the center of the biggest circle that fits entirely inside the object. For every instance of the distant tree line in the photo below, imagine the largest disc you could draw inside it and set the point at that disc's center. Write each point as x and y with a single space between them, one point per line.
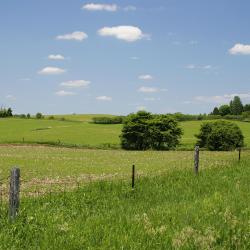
5 112
235 107
108 120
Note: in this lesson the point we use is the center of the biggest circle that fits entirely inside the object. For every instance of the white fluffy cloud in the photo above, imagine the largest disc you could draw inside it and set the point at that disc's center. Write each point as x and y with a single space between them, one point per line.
130 8
100 7
51 71
104 98
145 77
151 99
125 33
193 66
76 84
240 49
77 36
220 99
56 57
10 97
65 93
148 89
107 7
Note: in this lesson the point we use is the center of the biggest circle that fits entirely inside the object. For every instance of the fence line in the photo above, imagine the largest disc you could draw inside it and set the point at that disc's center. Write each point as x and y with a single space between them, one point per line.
10 188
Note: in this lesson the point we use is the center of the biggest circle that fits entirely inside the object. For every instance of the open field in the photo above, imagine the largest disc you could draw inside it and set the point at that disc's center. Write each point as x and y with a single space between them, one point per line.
51 162
79 132
79 117
48 168
75 198
170 208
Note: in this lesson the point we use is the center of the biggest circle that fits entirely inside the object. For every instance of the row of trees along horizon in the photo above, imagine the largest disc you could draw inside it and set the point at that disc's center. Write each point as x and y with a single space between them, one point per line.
235 107
235 110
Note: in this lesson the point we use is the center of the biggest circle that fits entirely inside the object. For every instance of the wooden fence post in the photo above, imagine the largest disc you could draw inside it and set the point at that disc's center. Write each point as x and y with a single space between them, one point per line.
196 159
133 176
14 193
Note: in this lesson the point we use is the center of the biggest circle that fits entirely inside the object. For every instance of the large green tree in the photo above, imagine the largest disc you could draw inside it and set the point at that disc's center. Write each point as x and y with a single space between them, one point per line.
220 135
247 107
143 130
224 110
216 111
236 106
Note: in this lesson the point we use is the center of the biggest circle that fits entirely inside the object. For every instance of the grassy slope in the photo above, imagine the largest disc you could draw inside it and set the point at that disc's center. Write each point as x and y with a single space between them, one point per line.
40 162
79 117
83 133
173 211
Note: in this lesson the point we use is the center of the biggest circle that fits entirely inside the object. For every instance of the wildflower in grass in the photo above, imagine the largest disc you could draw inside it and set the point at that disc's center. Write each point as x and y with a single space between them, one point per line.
150 229
191 238
64 227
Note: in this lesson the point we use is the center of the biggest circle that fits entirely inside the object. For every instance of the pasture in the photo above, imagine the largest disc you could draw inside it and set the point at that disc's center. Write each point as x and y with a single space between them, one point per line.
170 207
81 197
78 131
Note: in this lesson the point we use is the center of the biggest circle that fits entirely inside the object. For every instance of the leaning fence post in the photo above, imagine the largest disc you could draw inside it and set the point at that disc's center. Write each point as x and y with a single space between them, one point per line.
133 176
196 159
14 193
239 154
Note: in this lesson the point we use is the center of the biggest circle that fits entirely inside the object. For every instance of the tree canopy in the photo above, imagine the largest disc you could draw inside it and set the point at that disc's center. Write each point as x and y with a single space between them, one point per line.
143 130
220 135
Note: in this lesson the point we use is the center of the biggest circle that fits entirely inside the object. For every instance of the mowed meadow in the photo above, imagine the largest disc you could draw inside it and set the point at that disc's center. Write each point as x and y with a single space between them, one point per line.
78 131
80 196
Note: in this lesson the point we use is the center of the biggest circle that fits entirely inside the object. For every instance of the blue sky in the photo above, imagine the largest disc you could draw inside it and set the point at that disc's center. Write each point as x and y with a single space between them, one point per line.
118 57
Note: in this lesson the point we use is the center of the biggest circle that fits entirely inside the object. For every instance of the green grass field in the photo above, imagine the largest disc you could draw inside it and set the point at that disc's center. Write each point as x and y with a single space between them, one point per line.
81 198
170 207
80 132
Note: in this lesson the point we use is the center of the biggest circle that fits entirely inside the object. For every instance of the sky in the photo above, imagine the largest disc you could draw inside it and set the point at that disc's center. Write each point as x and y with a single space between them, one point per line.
118 57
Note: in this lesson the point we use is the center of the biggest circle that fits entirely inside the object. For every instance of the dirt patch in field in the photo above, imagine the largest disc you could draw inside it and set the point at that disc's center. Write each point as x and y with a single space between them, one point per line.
45 186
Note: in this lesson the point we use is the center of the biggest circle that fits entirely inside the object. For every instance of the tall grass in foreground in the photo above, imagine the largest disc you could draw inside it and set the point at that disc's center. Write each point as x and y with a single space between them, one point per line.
176 210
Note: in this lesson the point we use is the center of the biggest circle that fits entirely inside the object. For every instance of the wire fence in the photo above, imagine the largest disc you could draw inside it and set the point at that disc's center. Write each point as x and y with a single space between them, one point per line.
37 188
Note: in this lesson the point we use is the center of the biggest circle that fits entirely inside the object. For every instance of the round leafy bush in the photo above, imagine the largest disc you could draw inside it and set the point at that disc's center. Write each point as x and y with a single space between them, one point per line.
220 135
142 131
39 115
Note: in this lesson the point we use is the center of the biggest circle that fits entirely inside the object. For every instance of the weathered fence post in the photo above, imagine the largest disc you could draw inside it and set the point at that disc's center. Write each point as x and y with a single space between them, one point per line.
239 154
196 159
14 193
133 176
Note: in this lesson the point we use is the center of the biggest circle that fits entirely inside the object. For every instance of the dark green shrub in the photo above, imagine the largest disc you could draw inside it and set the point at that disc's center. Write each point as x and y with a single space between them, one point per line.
247 108
39 116
233 117
215 111
108 120
28 116
224 110
142 131
5 112
220 135
246 114
51 117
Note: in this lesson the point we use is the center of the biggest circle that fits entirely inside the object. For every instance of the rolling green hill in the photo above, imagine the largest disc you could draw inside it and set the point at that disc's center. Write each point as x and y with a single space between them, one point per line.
77 130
